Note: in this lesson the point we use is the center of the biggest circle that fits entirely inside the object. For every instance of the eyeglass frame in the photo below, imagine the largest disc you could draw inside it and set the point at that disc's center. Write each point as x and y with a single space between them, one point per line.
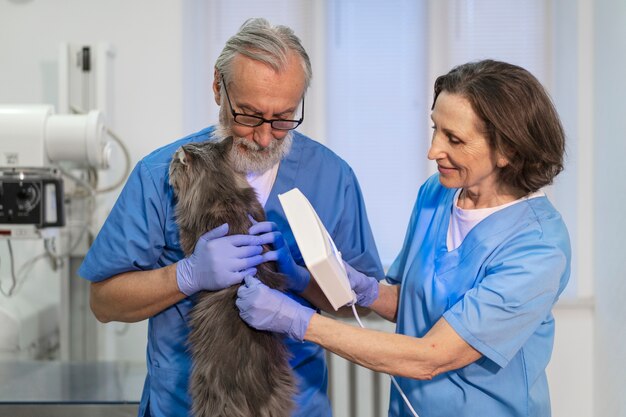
259 118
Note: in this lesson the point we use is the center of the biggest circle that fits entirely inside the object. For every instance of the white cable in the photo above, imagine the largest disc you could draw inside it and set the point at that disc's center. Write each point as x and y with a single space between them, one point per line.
19 277
90 190
395 383
356 316
84 226
26 268
13 277
127 162
406 400
120 143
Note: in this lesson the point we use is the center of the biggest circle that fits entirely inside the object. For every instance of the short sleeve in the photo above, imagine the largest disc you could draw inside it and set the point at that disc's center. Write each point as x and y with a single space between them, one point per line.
397 269
431 195
132 237
353 235
520 286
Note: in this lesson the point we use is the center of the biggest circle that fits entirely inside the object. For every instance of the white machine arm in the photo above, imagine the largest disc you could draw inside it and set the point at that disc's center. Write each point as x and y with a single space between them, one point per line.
33 136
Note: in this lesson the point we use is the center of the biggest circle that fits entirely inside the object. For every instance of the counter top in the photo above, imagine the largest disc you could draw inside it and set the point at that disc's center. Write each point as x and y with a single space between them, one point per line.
96 388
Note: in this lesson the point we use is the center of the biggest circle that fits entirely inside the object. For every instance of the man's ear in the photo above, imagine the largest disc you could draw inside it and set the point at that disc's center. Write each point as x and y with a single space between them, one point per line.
217 80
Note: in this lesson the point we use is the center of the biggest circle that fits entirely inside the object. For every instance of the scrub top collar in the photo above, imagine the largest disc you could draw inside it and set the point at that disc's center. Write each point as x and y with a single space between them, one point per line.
488 227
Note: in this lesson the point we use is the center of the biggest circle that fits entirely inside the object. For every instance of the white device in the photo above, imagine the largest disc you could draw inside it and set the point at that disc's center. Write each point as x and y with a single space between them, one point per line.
33 141
317 247
33 136
322 257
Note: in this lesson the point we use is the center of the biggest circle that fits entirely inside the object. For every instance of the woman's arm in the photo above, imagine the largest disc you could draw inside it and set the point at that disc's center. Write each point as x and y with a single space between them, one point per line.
314 294
440 350
386 305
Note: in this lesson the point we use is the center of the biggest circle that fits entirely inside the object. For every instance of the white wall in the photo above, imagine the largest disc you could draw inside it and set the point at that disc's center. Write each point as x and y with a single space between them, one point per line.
570 372
377 111
609 196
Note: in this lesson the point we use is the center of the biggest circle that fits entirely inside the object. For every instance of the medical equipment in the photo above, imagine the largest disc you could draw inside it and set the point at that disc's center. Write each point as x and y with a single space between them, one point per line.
318 250
33 136
322 258
31 197
33 143
39 152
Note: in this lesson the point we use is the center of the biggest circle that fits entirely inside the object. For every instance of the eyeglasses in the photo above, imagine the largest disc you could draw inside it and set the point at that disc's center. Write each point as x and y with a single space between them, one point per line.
254 121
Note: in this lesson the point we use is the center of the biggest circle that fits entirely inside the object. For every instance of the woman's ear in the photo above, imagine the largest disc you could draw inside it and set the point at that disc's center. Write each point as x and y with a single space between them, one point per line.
217 79
502 162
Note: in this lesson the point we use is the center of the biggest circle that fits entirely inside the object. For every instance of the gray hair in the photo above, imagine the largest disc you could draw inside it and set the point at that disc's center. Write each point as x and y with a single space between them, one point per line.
259 40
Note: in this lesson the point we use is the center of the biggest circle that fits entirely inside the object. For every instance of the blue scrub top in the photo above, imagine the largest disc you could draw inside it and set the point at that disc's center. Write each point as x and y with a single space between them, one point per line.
141 234
496 290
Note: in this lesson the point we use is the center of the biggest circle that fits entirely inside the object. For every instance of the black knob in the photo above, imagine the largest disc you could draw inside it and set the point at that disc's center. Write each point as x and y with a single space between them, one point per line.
26 193
22 194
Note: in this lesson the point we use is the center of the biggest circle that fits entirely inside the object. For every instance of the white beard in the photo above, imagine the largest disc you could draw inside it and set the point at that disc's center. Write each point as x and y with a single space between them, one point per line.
247 156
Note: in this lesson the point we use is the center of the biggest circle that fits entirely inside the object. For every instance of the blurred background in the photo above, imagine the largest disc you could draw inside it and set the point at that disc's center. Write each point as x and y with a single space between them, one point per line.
374 64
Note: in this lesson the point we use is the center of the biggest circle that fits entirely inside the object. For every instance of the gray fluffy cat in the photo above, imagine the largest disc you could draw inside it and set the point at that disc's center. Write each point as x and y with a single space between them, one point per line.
237 371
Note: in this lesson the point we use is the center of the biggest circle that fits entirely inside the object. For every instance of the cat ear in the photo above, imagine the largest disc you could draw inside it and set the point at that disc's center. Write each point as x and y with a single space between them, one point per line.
181 156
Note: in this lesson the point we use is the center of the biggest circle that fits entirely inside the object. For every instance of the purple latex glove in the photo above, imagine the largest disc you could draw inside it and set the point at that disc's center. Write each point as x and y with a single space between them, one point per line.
365 288
268 232
218 261
266 309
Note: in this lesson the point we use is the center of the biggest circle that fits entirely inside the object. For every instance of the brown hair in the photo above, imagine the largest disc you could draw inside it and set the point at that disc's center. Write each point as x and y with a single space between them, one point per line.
519 119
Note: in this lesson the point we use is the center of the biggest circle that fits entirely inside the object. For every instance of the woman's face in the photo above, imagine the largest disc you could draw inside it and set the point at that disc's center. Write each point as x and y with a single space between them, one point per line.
460 148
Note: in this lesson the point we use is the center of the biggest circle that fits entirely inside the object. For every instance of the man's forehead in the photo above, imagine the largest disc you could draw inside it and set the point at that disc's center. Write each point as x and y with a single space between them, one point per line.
248 68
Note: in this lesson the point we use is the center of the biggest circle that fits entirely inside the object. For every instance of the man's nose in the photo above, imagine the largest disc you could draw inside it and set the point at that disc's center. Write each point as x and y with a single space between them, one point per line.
263 135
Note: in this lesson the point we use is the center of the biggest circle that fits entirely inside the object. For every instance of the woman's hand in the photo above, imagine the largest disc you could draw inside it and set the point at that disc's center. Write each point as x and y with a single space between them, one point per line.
365 288
266 309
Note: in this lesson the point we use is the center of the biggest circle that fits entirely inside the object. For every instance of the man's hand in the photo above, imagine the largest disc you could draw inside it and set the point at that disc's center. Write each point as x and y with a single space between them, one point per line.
218 261
268 232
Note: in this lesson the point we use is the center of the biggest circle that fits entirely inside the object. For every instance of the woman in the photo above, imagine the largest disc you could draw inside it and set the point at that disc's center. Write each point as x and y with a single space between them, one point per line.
485 259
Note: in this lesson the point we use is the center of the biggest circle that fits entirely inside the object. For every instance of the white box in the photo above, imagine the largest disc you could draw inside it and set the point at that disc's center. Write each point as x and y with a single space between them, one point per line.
317 247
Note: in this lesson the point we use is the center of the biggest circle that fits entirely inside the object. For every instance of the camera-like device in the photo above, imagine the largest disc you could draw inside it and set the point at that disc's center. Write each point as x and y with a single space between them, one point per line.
30 197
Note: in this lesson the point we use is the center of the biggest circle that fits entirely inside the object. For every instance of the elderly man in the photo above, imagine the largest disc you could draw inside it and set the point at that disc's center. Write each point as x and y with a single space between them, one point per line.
136 265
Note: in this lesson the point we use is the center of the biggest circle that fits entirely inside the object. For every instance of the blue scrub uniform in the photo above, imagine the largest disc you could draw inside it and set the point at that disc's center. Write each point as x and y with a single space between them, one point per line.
496 290
141 234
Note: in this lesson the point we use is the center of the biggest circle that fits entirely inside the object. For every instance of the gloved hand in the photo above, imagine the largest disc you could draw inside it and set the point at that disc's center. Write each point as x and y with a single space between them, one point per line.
365 288
267 309
268 232
218 261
